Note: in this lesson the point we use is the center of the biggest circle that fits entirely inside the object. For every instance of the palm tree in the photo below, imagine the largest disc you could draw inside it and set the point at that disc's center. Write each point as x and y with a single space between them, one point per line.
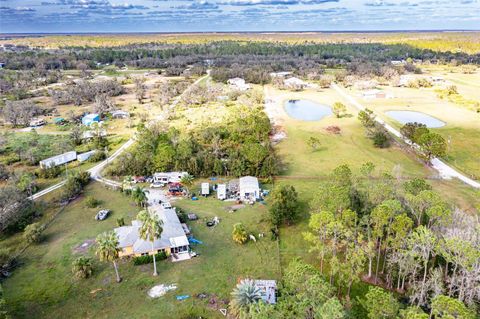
82 267
187 181
245 294
107 249
150 230
140 196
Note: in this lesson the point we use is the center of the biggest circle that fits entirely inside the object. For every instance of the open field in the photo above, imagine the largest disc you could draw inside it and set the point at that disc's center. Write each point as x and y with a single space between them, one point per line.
437 41
462 128
350 147
43 286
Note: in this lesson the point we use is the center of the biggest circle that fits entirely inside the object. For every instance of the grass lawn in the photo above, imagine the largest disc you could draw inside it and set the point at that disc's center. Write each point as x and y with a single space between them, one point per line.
350 147
43 286
462 127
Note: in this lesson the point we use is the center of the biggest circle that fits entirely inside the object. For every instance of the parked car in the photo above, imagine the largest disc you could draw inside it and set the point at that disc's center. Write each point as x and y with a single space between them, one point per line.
138 179
102 215
149 179
157 185
166 205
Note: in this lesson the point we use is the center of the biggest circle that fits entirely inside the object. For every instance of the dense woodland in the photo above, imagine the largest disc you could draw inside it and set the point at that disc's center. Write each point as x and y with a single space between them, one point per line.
238 146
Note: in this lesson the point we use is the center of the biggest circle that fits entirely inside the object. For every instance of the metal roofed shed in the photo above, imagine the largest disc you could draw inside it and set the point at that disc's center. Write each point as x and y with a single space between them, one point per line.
268 290
249 188
205 189
58 160
222 191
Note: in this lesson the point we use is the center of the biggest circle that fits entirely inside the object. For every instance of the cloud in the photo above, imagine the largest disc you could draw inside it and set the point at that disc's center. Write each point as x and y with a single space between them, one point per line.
273 2
202 5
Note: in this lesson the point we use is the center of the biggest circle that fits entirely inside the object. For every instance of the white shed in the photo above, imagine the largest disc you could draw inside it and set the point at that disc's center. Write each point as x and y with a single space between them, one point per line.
205 189
249 188
222 191
58 160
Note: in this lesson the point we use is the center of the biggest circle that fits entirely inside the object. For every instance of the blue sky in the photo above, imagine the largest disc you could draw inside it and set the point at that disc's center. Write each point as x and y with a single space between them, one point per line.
235 15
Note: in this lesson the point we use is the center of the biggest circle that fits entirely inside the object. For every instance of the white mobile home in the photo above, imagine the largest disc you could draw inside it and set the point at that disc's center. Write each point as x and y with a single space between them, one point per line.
222 191
85 156
169 177
58 160
205 189
249 188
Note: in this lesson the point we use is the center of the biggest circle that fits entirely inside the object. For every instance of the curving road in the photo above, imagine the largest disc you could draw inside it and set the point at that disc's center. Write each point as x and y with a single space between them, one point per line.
97 169
445 171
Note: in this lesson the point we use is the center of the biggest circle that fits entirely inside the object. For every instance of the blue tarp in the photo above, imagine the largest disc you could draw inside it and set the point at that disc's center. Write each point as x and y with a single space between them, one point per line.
183 297
194 241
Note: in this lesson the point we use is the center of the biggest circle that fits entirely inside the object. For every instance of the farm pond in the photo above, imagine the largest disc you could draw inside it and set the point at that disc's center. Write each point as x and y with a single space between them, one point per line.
306 110
405 117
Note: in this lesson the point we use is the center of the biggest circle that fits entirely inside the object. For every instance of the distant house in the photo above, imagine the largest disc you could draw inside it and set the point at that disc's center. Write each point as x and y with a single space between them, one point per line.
374 94
398 62
280 74
169 177
85 156
91 134
295 83
238 84
89 119
120 114
249 188
37 122
172 241
58 160
268 290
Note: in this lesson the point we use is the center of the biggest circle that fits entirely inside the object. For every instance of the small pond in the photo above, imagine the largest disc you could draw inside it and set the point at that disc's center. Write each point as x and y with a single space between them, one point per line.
412 116
306 110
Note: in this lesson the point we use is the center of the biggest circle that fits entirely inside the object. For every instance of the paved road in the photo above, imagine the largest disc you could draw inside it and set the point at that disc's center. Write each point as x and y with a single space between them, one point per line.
445 171
97 169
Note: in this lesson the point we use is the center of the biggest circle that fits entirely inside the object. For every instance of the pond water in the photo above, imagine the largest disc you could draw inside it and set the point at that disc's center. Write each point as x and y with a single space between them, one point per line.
412 116
306 110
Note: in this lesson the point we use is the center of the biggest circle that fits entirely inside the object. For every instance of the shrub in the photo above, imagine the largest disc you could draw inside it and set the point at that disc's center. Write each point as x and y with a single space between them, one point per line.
50 172
82 267
33 233
239 234
91 202
147 259
380 139
120 222
97 157
4 256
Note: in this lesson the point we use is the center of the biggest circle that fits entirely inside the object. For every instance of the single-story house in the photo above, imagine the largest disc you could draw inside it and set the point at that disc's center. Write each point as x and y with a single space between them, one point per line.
295 83
89 119
280 74
85 156
249 188
90 134
238 84
169 177
37 122
172 240
58 160
268 290
120 114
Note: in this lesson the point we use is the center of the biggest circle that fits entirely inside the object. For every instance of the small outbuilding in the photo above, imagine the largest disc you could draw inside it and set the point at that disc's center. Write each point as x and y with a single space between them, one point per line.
169 177
89 119
249 188
222 191
205 189
238 84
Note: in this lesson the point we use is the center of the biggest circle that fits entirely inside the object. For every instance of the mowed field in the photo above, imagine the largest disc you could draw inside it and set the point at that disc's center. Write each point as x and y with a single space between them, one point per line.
462 129
43 286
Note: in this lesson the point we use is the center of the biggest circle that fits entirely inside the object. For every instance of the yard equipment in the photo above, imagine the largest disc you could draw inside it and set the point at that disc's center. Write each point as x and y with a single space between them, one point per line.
183 297
192 240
